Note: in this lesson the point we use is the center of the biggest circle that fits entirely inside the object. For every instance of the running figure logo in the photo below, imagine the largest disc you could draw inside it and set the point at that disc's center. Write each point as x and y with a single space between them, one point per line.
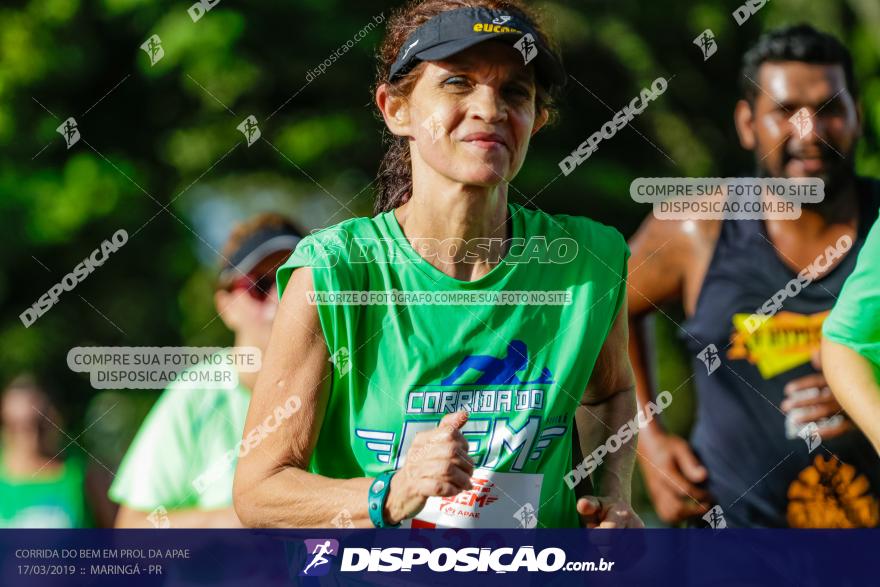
527 46
706 43
319 550
434 126
497 371
341 360
153 48
527 516
715 518
69 130
710 358
249 129
802 122
504 387
810 435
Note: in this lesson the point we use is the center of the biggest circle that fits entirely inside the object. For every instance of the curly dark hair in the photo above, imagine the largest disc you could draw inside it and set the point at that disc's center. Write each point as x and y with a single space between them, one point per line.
395 171
795 43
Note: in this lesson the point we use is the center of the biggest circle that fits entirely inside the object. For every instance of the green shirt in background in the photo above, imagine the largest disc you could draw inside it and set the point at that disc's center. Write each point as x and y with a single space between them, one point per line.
520 369
185 452
48 500
855 320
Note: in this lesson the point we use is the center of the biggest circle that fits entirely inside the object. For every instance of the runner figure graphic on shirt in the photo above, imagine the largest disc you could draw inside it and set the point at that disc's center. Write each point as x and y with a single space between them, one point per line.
497 371
320 550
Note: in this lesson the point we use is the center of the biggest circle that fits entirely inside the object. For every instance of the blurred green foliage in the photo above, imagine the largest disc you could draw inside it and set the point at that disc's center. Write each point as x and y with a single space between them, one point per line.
165 135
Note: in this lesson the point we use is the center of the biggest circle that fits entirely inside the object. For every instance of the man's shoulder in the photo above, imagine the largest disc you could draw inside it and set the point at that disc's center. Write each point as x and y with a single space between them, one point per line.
681 238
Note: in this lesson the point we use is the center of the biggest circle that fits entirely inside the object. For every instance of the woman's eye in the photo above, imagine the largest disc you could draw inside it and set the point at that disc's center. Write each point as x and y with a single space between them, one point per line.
519 91
456 80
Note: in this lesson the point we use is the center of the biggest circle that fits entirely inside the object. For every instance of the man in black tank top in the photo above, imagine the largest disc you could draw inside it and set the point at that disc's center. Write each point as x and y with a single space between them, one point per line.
753 458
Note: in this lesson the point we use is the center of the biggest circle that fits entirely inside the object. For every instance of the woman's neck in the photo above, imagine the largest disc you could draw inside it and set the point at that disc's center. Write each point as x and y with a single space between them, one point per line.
459 229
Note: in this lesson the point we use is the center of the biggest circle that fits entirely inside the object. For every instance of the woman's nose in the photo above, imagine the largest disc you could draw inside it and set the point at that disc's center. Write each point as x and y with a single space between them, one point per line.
489 105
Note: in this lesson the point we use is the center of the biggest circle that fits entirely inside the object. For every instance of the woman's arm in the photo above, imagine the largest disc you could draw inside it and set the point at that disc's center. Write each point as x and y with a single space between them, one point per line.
852 379
608 404
272 487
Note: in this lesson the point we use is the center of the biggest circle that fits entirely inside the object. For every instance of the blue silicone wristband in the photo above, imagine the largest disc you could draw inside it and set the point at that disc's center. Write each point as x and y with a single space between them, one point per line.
376 499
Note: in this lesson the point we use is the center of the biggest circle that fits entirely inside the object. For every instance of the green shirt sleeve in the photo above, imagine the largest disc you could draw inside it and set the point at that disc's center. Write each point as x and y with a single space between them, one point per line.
605 249
326 252
333 255
617 255
855 320
621 275
156 469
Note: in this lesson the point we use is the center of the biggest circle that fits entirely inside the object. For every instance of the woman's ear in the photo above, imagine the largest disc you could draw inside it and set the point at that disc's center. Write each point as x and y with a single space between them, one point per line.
395 111
540 120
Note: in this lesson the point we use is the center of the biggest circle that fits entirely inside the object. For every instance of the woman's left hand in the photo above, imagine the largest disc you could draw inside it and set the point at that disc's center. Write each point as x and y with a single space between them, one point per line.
607 512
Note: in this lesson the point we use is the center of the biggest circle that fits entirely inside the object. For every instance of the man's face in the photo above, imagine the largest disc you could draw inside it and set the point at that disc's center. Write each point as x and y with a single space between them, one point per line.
248 307
791 96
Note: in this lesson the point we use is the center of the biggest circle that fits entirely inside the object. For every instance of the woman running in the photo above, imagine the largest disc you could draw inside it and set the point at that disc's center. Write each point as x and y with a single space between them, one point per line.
445 349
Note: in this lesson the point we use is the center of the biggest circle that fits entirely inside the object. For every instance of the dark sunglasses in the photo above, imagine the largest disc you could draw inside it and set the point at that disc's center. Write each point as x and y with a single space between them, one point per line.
258 281
257 286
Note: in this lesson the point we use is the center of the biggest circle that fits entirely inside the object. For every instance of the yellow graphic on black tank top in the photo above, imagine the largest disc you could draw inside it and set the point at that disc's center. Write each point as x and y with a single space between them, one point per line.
828 494
781 343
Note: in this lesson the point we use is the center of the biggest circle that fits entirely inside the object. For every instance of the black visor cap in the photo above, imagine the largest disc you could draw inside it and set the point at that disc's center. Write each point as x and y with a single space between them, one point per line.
454 31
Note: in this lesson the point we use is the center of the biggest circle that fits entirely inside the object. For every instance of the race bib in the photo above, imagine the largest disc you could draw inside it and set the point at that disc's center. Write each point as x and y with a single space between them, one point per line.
498 500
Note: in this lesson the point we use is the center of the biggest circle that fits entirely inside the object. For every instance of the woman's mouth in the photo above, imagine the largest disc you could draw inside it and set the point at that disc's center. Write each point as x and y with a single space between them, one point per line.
486 140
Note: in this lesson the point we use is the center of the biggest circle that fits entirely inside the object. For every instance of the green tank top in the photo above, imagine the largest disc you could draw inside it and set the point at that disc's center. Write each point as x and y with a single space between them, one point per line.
410 344
46 500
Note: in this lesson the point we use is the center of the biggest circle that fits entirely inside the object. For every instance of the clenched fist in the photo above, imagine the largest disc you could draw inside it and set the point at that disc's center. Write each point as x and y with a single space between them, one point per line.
437 465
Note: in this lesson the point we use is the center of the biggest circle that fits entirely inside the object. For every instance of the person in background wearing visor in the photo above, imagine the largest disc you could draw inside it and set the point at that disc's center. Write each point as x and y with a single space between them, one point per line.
449 414
178 470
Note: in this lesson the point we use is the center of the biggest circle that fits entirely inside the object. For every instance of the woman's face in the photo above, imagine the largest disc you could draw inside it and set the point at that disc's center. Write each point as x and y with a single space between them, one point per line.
470 117
22 414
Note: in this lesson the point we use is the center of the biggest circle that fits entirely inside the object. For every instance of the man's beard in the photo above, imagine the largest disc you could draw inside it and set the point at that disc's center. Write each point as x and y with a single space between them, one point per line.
838 175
